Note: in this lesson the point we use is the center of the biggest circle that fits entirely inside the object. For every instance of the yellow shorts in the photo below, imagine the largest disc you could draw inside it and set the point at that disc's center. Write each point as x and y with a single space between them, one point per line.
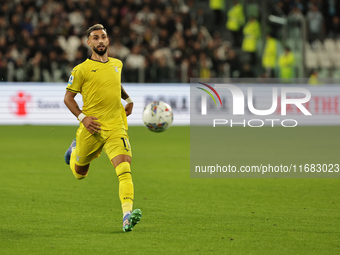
89 147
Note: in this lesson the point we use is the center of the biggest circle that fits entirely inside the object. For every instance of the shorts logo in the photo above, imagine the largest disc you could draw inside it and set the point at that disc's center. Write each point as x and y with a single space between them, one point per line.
78 157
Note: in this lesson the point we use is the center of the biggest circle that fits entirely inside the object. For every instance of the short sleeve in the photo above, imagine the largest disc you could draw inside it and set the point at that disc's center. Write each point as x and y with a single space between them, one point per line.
75 81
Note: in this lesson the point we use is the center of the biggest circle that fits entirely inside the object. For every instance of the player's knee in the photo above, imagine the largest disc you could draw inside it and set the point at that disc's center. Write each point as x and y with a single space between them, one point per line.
80 176
123 171
80 172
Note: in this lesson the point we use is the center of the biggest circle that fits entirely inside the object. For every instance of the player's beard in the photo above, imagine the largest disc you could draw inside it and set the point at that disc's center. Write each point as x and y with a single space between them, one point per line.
100 52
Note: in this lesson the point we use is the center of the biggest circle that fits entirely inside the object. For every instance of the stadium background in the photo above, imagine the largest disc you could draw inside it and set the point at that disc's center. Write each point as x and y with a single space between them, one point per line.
45 211
169 41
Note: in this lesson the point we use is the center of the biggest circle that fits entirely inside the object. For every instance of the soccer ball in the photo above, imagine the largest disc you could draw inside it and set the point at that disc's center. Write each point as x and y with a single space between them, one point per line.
157 116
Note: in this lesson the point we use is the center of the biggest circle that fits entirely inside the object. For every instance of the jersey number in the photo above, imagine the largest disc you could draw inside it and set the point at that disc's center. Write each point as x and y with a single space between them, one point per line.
126 143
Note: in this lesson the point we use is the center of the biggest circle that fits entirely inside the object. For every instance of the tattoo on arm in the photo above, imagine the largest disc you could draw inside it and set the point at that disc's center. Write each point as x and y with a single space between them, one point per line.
124 94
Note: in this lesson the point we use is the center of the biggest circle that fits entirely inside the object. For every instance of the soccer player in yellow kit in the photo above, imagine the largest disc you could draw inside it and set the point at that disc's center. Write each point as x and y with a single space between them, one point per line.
103 124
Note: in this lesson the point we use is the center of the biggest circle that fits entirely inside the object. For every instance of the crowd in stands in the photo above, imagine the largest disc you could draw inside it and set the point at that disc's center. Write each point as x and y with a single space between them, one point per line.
278 60
322 22
43 40
322 16
157 40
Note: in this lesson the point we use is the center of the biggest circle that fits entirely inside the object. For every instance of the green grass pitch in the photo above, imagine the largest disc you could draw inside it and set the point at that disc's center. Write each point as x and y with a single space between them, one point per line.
45 210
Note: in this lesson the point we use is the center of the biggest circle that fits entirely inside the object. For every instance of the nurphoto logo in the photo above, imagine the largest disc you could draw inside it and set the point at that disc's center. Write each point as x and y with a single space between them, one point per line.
239 100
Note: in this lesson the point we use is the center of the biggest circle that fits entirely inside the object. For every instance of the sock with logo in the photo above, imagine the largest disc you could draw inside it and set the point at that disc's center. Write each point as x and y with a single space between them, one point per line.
126 192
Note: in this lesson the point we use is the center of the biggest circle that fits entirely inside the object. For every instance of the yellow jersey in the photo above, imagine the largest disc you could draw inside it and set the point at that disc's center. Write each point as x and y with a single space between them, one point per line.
100 86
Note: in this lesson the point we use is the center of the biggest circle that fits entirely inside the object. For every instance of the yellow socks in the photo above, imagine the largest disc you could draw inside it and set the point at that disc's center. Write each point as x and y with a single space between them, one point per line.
123 171
126 193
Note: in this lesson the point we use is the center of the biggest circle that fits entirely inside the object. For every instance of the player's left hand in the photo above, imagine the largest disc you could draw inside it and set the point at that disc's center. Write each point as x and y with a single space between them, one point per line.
128 109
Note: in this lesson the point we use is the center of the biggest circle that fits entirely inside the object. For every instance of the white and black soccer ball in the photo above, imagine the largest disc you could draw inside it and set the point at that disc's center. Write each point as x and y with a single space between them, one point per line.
157 116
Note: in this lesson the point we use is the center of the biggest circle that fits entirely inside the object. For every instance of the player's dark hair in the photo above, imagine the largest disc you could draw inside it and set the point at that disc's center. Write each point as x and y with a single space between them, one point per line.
94 28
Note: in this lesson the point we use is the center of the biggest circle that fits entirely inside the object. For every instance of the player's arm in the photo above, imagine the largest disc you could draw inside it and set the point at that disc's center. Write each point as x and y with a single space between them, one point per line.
88 121
129 105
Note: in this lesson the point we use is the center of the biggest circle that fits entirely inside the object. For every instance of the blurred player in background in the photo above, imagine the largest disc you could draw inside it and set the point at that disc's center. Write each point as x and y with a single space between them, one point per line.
103 123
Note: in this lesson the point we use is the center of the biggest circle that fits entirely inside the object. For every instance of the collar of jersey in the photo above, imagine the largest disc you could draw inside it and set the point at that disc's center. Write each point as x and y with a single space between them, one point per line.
97 60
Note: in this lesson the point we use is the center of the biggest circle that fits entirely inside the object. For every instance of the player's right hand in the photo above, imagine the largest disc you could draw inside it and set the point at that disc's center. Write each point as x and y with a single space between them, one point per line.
91 125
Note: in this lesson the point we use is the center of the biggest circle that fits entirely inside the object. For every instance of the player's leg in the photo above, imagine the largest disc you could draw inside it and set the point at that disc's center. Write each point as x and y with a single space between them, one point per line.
82 151
79 172
122 165
119 152
123 171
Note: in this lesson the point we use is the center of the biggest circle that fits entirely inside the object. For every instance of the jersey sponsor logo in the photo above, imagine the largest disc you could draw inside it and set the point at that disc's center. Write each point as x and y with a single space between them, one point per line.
70 80
95 70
